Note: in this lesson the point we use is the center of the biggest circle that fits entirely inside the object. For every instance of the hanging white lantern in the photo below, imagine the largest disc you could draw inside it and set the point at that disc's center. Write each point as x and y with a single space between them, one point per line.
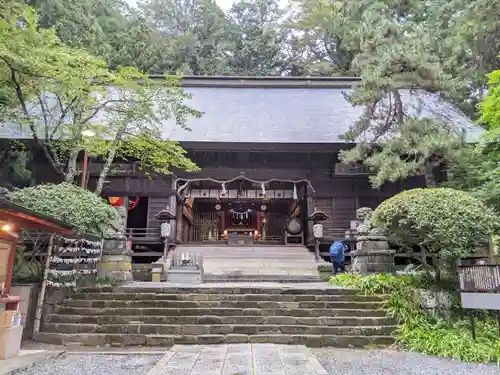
295 196
263 187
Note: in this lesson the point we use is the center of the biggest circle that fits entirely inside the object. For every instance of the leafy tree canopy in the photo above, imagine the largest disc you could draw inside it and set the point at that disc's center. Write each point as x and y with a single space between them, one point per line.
60 93
71 204
477 167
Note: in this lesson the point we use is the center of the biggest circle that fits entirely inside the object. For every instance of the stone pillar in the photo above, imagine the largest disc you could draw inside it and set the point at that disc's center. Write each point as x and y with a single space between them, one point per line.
116 260
372 255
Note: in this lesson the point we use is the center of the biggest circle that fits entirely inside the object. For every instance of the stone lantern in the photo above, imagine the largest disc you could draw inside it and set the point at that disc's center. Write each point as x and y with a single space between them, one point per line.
372 254
166 217
317 217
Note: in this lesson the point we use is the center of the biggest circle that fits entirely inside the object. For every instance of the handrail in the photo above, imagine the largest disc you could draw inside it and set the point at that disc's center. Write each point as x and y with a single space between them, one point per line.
143 234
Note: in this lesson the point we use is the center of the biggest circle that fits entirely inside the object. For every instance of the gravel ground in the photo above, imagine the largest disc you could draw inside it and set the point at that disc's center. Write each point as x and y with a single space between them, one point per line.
93 364
385 362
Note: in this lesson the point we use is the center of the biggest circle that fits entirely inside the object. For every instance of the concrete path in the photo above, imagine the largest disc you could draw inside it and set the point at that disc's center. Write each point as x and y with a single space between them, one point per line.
238 359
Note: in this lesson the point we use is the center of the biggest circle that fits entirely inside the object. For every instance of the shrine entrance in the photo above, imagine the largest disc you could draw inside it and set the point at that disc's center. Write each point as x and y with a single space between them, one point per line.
240 221
245 212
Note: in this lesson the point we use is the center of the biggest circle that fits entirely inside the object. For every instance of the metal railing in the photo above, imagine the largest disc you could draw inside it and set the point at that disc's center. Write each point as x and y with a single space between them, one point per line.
479 278
187 260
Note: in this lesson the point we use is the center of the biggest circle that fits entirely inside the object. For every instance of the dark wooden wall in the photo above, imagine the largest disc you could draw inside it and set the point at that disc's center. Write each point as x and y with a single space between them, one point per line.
155 205
338 195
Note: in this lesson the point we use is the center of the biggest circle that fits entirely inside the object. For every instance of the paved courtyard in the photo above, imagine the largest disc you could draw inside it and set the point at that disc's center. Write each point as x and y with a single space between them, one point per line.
255 359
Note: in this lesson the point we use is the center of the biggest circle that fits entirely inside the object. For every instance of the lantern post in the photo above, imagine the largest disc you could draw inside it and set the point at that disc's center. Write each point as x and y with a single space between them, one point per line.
317 217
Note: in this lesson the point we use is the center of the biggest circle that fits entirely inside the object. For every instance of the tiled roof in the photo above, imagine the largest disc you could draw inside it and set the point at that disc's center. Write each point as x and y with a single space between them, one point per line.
284 110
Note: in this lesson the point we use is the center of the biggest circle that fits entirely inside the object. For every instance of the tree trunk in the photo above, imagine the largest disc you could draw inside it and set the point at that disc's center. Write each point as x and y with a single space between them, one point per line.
398 102
41 296
69 175
437 264
109 161
430 179
423 260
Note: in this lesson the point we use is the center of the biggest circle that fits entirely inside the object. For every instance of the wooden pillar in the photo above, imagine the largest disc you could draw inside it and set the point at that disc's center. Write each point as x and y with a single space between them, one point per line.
178 224
222 221
310 210
10 264
257 223
125 206
172 207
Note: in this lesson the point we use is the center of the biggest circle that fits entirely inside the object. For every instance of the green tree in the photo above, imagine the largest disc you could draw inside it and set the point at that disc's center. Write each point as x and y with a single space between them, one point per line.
468 40
196 32
259 38
445 222
324 41
62 92
399 133
105 28
477 167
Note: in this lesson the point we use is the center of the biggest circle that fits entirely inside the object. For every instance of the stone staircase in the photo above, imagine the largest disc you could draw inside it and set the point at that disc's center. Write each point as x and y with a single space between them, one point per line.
221 263
210 314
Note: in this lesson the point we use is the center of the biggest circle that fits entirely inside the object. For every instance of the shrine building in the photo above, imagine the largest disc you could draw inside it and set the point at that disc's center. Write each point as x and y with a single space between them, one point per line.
268 152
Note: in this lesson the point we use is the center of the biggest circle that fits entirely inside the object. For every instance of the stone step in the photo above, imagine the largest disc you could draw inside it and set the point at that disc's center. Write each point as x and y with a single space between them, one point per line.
222 297
220 329
253 254
235 249
98 339
180 304
321 289
210 319
274 259
223 268
218 311
258 269
231 278
261 271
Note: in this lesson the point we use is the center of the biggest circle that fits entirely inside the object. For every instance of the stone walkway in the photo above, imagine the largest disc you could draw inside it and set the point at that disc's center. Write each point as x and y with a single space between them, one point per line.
238 359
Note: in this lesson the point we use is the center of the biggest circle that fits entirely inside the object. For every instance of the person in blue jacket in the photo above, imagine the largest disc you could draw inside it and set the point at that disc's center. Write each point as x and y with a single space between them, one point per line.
337 256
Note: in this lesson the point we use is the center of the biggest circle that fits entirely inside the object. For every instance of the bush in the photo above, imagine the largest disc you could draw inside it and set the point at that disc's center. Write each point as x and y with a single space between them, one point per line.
444 221
424 332
70 204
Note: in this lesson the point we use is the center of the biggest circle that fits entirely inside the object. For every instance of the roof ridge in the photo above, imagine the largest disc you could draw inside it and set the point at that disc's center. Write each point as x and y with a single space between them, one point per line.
265 81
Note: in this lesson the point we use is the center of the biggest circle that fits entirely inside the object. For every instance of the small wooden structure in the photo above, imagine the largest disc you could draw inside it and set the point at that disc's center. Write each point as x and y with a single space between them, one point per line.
13 219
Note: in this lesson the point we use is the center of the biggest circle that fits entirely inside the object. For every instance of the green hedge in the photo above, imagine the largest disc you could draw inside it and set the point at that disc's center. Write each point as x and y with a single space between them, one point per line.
68 203
445 221
422 331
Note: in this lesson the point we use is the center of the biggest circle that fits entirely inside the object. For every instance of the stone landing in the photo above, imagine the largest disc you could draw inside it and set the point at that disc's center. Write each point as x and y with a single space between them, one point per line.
238 359
292 263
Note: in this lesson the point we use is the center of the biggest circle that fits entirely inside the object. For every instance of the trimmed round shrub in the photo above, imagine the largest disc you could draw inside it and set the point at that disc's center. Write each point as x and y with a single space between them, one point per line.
80 208
442 220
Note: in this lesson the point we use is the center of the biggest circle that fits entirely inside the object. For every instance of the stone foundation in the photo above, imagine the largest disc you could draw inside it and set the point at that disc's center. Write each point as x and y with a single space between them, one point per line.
116 261
372 255
184 276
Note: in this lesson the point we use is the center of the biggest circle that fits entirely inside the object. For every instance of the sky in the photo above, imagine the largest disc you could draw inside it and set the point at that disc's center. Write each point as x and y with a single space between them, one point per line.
225 4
